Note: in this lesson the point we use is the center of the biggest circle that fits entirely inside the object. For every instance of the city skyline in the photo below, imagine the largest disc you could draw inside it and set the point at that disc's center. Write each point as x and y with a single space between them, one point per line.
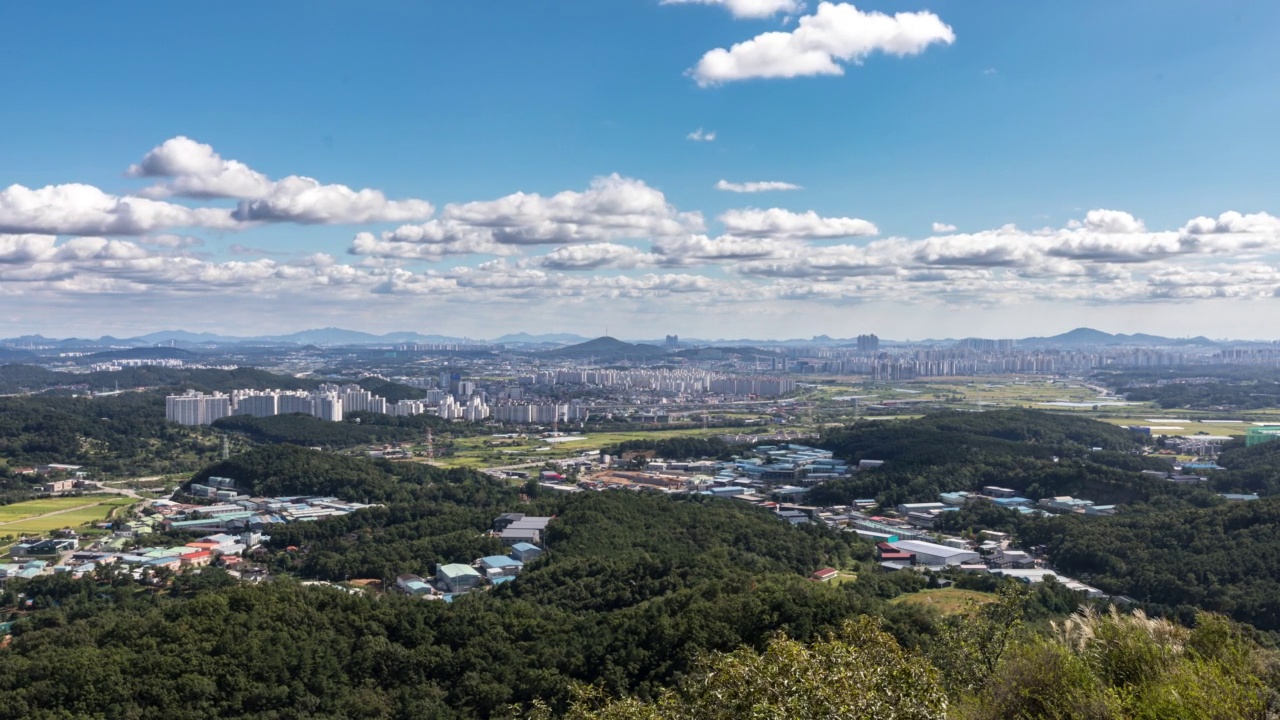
725 168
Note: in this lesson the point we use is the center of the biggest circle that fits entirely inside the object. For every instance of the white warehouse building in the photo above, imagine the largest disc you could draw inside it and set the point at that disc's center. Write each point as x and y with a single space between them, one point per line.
933 555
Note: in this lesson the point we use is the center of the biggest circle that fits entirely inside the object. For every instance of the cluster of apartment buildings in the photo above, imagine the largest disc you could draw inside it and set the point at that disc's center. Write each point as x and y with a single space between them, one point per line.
328 402
666 382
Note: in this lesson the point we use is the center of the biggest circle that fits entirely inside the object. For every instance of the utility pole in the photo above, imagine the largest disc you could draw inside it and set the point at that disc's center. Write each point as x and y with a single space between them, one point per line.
431 447
226 448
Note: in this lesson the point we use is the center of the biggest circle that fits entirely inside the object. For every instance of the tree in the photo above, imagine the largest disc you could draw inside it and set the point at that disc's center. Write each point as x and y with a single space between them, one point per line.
858 673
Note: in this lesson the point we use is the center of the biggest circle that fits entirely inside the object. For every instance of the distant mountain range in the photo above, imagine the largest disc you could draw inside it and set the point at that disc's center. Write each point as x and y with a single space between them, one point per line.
1089 336
15 349
527 339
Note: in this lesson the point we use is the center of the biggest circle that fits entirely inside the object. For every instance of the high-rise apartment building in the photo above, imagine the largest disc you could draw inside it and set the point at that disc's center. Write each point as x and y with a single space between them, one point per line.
196 408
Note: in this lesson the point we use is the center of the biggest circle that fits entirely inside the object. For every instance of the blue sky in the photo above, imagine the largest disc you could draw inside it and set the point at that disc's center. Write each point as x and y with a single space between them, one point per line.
1102 131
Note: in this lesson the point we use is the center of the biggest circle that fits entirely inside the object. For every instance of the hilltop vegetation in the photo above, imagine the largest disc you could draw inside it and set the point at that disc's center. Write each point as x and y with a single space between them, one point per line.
644 606
1224 558
634 588
28 378
1038 454
114 435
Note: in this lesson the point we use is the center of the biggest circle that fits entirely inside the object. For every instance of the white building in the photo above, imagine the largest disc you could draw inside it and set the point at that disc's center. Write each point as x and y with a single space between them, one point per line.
196 408
933 555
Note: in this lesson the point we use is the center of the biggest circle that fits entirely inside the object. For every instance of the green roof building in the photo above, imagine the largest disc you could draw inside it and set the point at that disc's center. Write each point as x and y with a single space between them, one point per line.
458 577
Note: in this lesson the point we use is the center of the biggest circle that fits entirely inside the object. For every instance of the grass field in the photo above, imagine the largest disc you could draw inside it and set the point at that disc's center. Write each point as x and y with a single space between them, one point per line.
1179 426
24 517
474 453
947 601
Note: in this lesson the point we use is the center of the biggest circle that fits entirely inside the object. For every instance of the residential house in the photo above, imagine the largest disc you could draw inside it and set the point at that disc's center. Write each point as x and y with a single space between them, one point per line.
825 574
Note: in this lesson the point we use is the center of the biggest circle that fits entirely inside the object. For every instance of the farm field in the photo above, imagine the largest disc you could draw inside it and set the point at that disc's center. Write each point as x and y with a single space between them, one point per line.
947 601
26 517
474 453
1179 426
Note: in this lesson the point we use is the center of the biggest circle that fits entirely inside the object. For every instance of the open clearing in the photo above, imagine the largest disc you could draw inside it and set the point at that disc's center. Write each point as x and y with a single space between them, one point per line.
43 515
490 451
947 601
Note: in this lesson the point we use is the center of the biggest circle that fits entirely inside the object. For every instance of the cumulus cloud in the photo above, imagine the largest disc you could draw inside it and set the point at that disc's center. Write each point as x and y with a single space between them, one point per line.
943 227
1108 256
75 209
1112 221
776 222
596 256
835 34
747 8
195 170
391 246
755 187
690 248
304 200
1234 222
612 208
701 136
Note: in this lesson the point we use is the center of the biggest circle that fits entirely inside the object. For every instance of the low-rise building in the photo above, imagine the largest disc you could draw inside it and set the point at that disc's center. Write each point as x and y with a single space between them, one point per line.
456 577
496 566
934 555
524 552
413 585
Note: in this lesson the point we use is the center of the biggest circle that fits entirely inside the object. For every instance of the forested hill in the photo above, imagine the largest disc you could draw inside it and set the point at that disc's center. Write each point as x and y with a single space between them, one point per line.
636 594
942 437
28 378
1224 559
1035 453
281 470
633 589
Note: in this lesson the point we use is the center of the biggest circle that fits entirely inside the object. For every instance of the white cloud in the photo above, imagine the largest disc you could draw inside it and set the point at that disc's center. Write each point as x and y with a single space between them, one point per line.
1112 221
304 200
75 209
1234 222
613 207
391 246
701 136
195 170
943 227
755 187
596 256
747 8
689 248
835 34
776 222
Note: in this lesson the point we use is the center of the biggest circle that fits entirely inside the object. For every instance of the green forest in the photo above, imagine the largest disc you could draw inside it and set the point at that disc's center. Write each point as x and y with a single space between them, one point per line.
652 606
115 435
644 606
1037 454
